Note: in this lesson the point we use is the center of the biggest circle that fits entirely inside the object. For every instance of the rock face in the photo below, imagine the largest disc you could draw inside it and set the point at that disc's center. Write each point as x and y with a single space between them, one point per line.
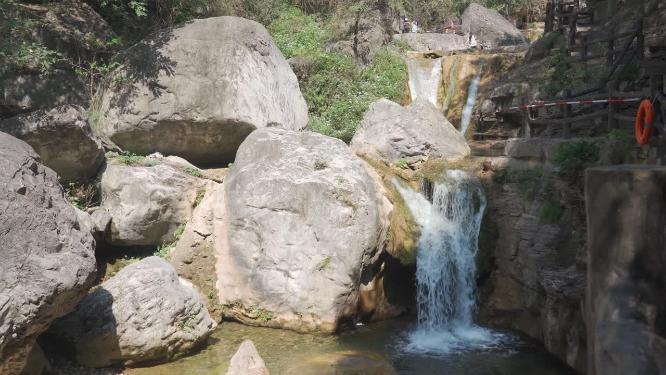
198 90
364 35
48 262
63 139
247 361
147 203
303 218
531 272
414 134
145 313
433 42
490 28
626 286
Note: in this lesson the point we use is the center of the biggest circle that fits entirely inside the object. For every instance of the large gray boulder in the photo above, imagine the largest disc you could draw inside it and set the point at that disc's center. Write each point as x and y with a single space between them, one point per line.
199 89
145 313
147 202
295 223
415 133
48 262
433 42
247 361
63 139
490 28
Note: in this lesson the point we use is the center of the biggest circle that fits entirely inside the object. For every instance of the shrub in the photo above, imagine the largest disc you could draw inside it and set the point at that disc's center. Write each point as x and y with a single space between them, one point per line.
297 34
337 90
82 195
573 157
550 213
131 159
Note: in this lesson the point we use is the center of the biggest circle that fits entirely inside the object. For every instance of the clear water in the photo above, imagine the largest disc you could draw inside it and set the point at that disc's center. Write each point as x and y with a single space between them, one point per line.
450 219
285 350
425 77
471 101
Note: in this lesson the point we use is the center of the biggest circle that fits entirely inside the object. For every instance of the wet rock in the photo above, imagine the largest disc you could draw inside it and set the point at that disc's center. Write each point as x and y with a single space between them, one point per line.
202 108
490 28
63 139
145 313
247 361
48 261
412 134
146 203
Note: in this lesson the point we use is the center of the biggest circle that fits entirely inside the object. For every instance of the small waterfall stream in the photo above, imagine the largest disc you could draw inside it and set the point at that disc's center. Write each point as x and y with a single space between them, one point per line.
449 213
425 76
471 101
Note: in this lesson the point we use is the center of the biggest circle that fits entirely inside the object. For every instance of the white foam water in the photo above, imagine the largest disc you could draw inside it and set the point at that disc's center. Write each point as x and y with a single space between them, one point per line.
425 77
449 215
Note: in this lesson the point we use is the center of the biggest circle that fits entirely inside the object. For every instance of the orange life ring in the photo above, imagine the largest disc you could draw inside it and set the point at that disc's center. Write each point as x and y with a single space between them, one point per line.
644 120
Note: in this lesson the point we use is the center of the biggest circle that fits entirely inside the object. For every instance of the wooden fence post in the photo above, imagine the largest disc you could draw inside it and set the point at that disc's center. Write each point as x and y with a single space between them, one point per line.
612 122
527 130
567 115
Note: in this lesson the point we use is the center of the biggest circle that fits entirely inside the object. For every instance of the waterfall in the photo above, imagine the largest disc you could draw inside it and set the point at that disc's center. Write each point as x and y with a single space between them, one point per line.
449 214
471 101
425 76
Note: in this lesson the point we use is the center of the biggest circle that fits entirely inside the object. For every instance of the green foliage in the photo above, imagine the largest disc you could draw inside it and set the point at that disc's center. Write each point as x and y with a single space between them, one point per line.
568 72
130 159
194 172
164 249
402 164
528 180
18 50
298 34
573 157
201 193
82 195
550 213
324 264
337 90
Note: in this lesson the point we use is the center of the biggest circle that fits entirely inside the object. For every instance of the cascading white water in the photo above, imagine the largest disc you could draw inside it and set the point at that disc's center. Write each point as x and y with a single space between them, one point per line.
425 76
471 101
445 266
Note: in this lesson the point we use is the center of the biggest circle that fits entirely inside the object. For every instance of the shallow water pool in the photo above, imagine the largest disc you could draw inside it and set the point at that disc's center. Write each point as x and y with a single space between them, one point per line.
284 350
